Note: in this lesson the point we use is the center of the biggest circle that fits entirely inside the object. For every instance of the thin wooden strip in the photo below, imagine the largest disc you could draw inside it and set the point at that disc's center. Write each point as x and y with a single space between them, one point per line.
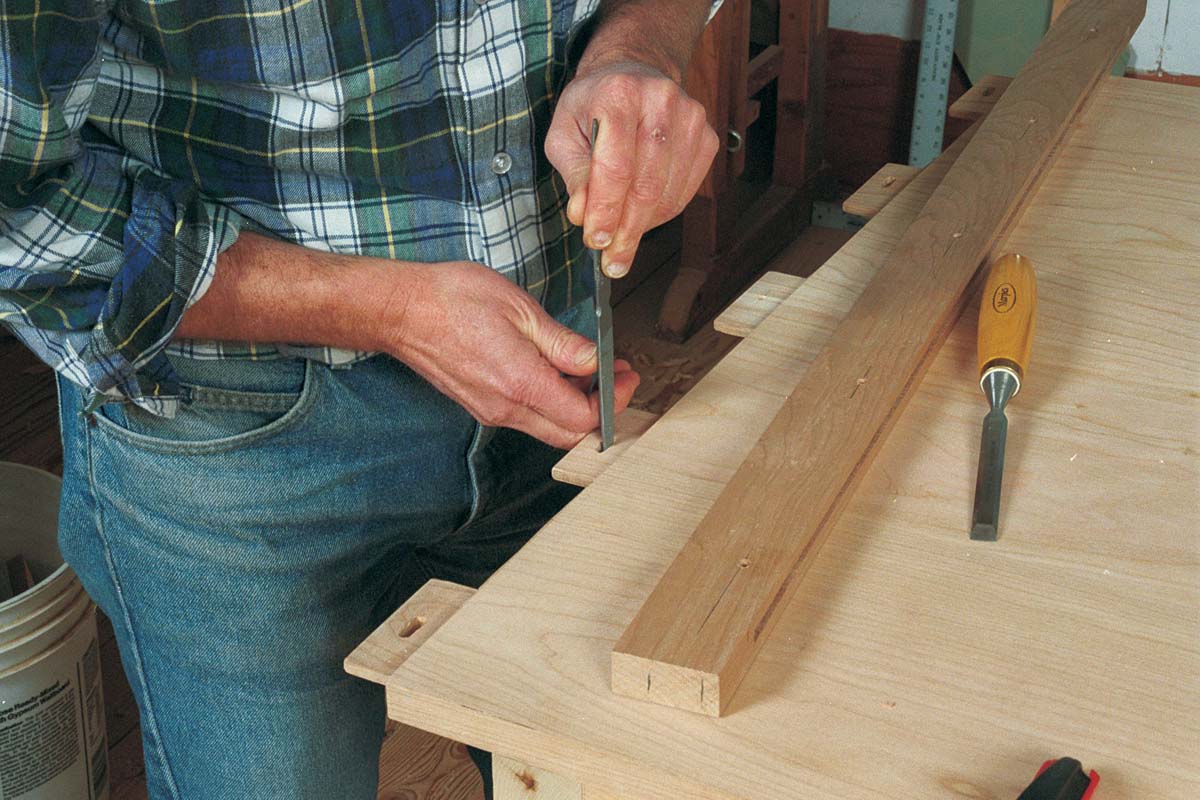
977 101
406 629
584 462
878 191
756 303
693 640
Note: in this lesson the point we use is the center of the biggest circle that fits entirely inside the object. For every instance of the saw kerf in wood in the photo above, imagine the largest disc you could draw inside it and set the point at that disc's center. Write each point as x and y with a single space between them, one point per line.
695 637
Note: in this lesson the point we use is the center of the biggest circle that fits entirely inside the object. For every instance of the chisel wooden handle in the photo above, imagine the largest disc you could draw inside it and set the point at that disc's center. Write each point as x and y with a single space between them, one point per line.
1006 315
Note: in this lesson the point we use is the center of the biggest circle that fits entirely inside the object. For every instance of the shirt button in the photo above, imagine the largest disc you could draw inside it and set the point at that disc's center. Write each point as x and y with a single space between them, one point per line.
501 163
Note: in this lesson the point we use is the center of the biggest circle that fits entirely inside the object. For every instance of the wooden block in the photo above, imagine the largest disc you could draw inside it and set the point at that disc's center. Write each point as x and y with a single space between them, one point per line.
515 780
756 303
584 462
979 99
763 69
693 640
406 629
877 192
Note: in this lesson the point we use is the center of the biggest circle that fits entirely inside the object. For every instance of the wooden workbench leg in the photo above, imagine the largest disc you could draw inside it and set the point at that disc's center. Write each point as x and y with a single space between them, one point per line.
516 780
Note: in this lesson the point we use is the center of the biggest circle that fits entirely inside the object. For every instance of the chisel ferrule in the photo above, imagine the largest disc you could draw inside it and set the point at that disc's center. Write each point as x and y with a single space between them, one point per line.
1002 363
1000 379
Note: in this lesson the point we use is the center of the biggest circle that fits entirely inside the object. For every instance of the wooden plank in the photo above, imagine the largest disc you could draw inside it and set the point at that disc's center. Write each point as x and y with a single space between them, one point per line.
960 668
878 191
406 629
977 101
584 462
756 303
697 634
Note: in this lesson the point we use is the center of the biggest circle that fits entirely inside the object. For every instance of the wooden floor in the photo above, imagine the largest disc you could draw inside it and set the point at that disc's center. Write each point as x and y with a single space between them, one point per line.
415 765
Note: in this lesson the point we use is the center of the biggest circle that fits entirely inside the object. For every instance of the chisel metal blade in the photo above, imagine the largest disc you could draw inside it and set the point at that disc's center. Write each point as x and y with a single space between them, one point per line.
604 346
604 339
985 519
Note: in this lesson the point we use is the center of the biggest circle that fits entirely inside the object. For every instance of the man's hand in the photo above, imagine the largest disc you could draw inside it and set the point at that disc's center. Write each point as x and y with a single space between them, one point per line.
489 346
654 148
463 327
655 144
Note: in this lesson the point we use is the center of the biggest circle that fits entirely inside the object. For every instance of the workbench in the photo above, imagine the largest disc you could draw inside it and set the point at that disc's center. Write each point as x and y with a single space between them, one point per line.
912 662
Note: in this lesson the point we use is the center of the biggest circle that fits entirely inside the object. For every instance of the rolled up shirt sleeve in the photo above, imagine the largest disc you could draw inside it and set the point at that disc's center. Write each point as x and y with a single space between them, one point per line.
99 255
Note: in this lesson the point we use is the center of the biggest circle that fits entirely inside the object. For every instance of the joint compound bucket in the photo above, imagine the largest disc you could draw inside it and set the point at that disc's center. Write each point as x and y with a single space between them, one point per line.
52 737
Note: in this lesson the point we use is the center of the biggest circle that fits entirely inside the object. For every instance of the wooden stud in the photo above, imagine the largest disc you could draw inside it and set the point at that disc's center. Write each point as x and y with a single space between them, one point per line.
979 99
803 35
406 629
693 640
877 192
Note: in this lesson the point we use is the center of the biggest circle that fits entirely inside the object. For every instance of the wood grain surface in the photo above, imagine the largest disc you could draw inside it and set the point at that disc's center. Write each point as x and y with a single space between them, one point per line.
912 662
693 640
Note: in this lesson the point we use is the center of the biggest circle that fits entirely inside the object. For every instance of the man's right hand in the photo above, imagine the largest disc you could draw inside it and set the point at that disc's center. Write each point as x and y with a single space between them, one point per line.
463 327
488 345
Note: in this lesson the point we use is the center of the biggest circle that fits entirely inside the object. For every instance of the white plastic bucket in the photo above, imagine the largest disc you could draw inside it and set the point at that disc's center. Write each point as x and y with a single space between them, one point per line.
52 738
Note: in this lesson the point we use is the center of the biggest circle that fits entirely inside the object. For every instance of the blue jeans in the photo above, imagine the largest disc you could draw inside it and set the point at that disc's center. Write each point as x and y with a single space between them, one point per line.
245 547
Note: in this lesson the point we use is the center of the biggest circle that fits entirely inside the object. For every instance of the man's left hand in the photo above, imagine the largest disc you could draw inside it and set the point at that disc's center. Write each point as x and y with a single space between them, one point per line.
653 150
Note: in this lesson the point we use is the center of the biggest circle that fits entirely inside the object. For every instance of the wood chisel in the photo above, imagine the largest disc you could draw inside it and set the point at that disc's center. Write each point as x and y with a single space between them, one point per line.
1006 317
602 300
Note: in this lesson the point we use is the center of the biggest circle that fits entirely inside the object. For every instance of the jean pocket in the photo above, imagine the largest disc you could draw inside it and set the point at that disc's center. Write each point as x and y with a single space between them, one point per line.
228 405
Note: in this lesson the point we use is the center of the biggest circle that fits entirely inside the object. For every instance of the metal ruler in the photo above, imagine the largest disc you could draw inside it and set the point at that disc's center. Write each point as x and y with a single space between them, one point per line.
933 81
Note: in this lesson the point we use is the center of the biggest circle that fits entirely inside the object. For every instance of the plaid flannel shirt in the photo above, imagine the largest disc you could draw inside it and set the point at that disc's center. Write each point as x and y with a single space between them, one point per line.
137 138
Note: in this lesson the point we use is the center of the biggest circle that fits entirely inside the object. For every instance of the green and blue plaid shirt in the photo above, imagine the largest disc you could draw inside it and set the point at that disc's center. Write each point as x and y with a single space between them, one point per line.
137 138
